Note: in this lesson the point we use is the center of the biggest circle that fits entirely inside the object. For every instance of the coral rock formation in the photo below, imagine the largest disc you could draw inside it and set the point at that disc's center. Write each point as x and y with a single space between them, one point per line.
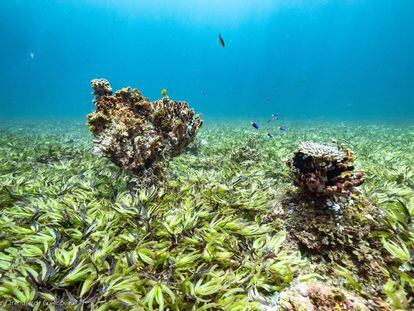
324 170
137 134
318 296
329 242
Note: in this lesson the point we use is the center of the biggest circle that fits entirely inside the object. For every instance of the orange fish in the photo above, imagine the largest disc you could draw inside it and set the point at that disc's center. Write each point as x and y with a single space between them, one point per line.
221 40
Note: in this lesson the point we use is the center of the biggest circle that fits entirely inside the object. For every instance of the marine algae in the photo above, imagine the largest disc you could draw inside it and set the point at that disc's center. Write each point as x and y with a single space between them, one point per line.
226 231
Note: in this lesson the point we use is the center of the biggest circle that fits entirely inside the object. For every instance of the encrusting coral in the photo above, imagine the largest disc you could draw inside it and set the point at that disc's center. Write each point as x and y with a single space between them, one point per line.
138 135
324 170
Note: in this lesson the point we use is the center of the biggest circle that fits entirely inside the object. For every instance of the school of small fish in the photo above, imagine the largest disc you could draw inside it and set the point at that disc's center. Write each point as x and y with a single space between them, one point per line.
273 117
255 125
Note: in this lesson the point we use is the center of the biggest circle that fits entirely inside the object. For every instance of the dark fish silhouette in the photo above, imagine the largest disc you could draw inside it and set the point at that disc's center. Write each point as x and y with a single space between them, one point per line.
221 41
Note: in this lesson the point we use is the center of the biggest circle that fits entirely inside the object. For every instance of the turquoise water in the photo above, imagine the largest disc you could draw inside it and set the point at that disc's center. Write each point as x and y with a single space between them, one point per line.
306 60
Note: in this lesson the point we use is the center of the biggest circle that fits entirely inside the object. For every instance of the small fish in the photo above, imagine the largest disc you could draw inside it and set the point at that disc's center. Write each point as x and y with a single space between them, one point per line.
269 135
255 125
282 128
32 55
273 117
221 41
202 93
163 92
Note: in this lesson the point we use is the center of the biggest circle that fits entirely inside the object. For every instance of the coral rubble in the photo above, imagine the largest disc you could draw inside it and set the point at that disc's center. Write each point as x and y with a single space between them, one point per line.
137 134
329 242
317 296
324 170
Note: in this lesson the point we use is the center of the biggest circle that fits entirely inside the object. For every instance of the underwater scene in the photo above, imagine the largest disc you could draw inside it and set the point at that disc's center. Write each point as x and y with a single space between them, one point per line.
207 155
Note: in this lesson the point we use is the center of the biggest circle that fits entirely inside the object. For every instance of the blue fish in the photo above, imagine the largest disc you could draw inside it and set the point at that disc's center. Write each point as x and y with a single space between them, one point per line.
269 135
273 117
255 125
282 128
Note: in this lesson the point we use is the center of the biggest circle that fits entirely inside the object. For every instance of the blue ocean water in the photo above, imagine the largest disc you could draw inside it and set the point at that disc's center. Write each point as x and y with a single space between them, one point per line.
306 59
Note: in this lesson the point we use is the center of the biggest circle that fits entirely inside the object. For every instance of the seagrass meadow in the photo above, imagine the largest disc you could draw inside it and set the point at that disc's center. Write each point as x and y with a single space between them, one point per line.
227 230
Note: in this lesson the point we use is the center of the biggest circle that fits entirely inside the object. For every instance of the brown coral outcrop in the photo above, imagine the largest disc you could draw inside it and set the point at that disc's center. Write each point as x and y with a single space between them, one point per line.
318 296
324 170
136 134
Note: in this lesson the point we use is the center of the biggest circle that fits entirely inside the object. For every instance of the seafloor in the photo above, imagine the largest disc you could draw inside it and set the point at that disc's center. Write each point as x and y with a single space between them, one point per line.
227 231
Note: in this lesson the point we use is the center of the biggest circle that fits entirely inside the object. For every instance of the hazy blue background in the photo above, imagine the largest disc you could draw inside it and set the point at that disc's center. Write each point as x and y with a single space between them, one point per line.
309 59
